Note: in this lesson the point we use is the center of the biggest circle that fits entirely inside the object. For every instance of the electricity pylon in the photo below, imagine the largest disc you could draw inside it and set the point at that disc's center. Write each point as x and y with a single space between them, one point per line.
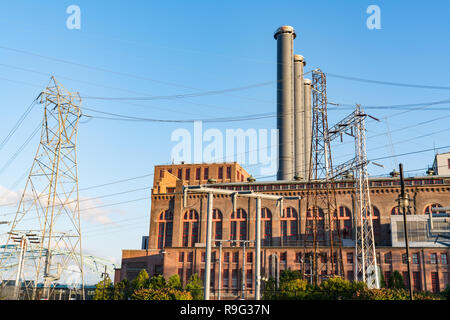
321 228
366 259
48 217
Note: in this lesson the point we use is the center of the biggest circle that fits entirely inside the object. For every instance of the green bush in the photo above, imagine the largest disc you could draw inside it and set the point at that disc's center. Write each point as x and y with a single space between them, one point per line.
195 287
396 281
161 294
446 292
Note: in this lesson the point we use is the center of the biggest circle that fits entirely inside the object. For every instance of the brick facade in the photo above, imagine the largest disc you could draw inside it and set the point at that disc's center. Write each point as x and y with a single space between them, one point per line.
167 196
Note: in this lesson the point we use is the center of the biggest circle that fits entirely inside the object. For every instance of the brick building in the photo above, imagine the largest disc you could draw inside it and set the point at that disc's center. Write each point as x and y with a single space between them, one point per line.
178 234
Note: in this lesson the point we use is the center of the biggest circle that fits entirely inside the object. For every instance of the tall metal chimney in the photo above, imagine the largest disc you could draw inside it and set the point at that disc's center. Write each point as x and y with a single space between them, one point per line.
285 36
307 125
299 115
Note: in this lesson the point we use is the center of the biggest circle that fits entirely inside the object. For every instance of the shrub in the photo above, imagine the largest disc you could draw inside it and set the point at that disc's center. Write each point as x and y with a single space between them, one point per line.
161 294
396 281
157 282
195 287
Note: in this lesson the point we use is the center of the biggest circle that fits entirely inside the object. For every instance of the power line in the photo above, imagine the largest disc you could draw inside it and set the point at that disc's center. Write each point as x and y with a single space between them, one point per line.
17 124
7 164
398 84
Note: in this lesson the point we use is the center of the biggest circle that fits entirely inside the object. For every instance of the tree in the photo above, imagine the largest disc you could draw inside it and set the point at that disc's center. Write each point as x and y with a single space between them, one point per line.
396 281
104 290
174 282
141 281
382 281
195 287
157 282
289 275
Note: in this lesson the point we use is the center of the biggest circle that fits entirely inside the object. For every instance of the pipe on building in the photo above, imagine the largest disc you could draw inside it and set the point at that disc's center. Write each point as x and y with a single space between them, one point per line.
307 126
299 115
285 36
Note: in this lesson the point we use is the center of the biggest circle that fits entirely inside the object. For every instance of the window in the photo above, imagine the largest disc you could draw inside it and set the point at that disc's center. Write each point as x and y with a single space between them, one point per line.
161 173
226 257
229 172
350 257
416 281
203 256
249 279
376 224
234 278
323 257
298 257
318 214
165 229
448 162
235 257
415 258
238 224
350 276
387 276
395 211
430 206
344 221
444 258
225 278
249 257
220 175
433 258
404 258
405 279
180 256
197 174
289 225
188 174
283 257
190 257
266 224
206 173
180 173
435 282
180 274
217 225
190 228
388 258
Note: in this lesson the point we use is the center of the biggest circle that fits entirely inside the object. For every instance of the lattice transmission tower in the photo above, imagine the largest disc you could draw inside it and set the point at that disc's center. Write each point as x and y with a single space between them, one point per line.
321 228
44 243
354 125
366 259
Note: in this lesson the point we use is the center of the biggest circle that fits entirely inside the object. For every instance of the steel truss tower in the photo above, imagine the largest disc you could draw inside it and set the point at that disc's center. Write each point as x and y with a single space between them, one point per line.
365 264
47 221
321 228
366 259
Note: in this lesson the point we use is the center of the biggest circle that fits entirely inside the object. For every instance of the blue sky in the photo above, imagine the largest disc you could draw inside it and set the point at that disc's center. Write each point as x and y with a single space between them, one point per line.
146 48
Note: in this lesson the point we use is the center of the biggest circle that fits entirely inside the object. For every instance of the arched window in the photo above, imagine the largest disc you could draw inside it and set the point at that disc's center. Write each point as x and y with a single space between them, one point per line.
238 225
289 225
397 211
376 224
217 225
266 225
344 221
430 206
320 233
190 228
165 228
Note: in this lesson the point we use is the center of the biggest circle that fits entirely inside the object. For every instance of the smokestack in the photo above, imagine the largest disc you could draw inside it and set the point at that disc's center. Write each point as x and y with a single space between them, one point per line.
285 36
299 118
307 125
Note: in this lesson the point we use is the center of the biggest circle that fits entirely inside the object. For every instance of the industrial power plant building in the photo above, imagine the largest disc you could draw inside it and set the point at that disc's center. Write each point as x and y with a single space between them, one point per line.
178 221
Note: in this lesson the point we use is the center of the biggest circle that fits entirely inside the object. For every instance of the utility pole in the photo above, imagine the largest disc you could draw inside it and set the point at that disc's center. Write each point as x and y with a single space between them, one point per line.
403 203
18 283
105 276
